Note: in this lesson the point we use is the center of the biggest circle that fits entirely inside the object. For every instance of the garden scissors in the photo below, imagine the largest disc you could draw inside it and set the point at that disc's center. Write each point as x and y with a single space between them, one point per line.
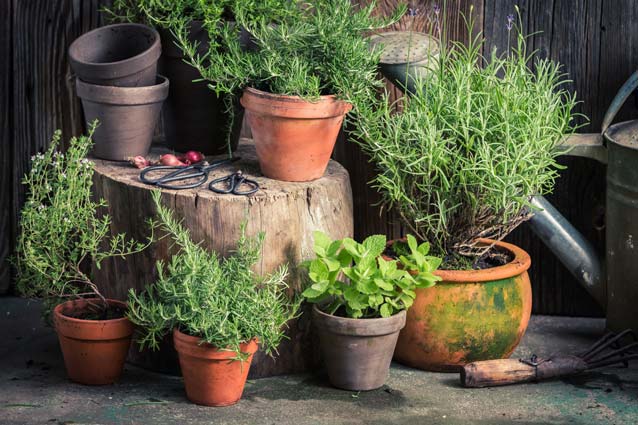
175 174
233 183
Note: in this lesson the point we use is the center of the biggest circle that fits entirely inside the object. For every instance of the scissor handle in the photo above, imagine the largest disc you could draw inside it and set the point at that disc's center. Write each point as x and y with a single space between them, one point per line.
179 174
235 181
241 180
154 168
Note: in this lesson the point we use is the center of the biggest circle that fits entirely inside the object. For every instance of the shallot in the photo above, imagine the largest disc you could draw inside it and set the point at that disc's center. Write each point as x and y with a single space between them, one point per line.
193 157
140 162
172 160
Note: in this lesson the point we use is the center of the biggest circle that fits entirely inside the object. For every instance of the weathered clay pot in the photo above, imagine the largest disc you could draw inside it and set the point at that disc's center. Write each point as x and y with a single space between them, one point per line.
195 118
127 117
357 352
470 315
294 138
123 55
211 376
94 350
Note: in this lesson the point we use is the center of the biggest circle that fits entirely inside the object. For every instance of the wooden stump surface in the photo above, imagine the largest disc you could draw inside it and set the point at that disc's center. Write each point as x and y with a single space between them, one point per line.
287 212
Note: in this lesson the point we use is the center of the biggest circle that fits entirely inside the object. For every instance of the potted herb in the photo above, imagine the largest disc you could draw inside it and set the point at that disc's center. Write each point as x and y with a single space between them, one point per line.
360 305
459 163
218 310
298 82
195 118
63 232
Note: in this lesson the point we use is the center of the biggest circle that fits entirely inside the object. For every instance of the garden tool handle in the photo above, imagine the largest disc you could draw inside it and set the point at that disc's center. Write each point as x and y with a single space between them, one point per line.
492 373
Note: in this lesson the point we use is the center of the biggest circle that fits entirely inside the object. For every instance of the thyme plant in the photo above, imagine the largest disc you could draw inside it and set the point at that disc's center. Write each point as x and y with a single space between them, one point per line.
318 49
220 300
61 230
466 152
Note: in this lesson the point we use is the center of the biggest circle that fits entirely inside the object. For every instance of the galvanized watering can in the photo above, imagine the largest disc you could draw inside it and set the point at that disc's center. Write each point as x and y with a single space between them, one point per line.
612 281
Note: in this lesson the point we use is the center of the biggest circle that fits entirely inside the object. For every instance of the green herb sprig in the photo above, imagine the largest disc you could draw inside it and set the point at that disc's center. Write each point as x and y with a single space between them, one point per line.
462 158
63 229
220 300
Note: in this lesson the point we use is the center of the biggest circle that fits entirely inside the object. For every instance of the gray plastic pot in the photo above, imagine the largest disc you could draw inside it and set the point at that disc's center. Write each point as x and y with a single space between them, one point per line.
357 352
127 117
123 55
195 118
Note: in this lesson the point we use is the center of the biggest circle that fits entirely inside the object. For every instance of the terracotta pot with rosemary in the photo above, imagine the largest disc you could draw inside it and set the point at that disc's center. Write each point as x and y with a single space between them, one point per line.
62 236
217 309
474 141
299 81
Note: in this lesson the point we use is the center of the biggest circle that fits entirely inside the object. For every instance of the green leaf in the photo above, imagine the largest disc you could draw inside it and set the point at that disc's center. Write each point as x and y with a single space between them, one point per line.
381 283
374 245
366 286
318 269
322 240
412 244
385 310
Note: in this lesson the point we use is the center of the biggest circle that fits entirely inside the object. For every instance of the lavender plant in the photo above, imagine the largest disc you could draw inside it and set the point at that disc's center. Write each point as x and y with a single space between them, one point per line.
462 158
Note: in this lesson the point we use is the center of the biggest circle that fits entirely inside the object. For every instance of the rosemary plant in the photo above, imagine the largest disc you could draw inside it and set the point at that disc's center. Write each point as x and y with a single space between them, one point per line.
169 14
61 230
220 300
315 50
471 146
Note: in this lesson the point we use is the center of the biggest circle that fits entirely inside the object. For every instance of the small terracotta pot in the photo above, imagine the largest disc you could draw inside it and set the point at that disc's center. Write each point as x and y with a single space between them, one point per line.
127 117
211 376
195 118
470 315
123 55
357 352
294 138
94 350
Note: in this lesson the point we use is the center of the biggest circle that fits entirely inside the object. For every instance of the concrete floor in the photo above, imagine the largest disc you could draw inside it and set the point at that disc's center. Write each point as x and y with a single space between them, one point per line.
34 389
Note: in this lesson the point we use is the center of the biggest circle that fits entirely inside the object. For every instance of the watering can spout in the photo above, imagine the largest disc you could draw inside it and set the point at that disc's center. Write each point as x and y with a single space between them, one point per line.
571 248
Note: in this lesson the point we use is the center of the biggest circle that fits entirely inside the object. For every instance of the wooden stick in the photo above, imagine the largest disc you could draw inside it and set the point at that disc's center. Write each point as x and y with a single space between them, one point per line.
491 373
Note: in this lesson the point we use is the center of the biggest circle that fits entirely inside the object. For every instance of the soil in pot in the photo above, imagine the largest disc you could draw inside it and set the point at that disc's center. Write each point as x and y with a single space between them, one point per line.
122 55
471 315
194 117
94 350
357 352
294 138
212 377
127 117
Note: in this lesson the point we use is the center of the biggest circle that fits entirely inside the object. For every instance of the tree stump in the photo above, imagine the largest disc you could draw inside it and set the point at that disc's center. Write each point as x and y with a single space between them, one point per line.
287 212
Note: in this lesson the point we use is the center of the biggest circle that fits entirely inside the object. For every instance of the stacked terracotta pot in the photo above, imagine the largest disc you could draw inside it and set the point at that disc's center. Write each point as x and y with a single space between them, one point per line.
117 80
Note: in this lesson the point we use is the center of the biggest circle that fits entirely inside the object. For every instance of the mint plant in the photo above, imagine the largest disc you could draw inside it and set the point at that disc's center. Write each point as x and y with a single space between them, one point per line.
353 278
220 300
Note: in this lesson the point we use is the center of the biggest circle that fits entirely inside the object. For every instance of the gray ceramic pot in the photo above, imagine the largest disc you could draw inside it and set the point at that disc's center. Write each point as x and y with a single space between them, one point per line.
195 118
127 117
123 55
357 352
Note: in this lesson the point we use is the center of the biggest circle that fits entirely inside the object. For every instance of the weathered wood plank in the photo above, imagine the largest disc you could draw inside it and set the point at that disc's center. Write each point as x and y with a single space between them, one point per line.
7 221
41 91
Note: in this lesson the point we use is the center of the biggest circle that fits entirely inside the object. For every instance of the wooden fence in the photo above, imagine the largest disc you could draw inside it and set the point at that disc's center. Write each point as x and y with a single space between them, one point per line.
596 40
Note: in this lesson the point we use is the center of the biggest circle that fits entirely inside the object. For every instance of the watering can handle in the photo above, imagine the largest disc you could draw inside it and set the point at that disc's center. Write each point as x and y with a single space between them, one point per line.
630 85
